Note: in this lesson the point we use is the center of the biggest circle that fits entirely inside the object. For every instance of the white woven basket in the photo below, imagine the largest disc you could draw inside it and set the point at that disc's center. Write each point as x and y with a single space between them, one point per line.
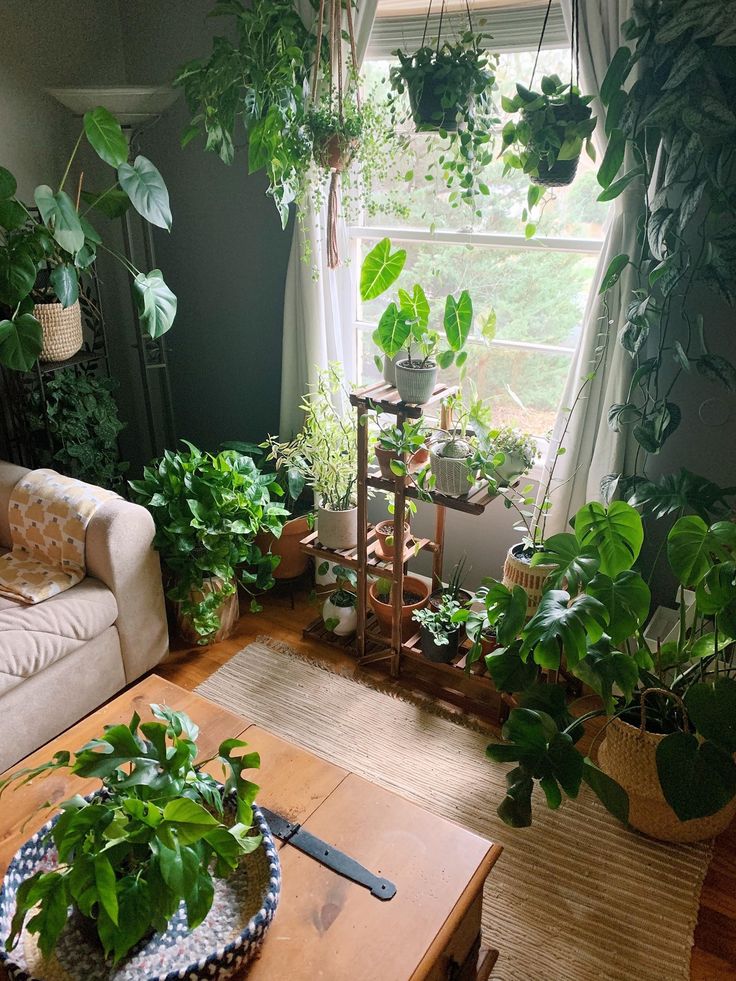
529 577
62 330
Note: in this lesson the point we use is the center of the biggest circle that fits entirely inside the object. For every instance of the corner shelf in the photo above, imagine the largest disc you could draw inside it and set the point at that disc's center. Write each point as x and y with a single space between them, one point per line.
473 690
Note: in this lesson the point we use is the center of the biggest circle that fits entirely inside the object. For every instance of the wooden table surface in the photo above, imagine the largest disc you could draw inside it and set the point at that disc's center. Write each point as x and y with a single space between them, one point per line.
325 927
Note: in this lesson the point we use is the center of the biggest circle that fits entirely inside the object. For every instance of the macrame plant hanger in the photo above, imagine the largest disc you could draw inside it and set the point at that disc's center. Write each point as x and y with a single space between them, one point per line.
574 46
337 91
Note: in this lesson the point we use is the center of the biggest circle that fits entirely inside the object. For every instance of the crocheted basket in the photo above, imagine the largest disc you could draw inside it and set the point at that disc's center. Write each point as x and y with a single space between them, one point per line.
560 174
450 474
530 577
62 330
229 938
628 754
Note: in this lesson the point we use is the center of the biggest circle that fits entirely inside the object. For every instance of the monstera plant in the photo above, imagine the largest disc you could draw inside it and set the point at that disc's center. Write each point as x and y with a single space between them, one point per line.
48 249
678 691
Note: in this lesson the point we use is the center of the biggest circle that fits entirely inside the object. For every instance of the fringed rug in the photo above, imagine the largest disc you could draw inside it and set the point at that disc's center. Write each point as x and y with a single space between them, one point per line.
575 897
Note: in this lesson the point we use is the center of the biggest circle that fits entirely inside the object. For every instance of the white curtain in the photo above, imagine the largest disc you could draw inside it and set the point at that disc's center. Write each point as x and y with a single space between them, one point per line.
318 302
592 449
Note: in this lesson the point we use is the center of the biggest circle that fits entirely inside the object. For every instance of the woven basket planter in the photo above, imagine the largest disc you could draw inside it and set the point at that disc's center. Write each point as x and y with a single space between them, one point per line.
62 330
451 474
516 572
629 755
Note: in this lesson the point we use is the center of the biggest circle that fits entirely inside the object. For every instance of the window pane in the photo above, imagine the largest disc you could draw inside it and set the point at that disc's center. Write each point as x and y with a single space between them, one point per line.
571 212
539 296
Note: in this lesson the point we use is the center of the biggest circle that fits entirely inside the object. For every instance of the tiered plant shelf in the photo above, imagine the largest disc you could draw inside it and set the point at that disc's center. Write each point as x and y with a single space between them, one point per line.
473 691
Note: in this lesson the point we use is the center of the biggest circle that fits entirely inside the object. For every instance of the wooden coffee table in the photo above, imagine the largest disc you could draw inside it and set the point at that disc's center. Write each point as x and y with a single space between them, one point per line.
325 927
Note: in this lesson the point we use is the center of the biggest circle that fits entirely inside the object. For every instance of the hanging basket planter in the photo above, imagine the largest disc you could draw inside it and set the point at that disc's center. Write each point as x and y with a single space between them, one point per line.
426 99
560 174
334 152
62 330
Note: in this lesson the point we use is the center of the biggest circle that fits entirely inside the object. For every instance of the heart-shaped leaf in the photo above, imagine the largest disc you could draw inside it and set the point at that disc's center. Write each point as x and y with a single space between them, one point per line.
155 302
415 305
105 136
12 215
697 779
458 320
380 270
111 203
712 710
21 341
65 284
60 217
147 191
17 276
393 330
611 794
8 184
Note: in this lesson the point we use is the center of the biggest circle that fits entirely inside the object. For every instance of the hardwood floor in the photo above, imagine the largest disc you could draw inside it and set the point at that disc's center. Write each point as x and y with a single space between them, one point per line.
714 953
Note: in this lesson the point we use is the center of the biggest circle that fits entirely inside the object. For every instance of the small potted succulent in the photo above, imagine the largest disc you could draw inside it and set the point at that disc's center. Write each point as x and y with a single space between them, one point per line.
114 876
385 529
439 632
518 451
325 454
338 610
208 511
546 142
415 596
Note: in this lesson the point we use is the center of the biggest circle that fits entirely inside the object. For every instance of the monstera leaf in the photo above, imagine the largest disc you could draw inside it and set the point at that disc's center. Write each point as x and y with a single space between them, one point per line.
616 532
603 667
574 564
506 610
627 599
693 547
563 626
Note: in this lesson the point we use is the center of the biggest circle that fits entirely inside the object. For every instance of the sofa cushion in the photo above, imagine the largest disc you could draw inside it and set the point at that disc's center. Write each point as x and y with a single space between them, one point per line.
33 637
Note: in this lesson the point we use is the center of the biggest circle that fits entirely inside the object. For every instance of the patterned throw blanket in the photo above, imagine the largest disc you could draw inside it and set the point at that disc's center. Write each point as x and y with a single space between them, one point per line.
48 514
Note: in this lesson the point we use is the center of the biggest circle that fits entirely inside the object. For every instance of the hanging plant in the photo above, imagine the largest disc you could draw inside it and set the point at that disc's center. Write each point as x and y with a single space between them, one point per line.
446 89
675 128
301 108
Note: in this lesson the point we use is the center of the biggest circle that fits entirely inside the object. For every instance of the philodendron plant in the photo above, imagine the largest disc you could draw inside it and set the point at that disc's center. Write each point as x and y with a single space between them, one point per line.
45 253
592 617
157 832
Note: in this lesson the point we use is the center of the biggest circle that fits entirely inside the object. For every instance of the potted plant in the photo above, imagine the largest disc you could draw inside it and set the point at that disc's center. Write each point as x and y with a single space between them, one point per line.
74 426
667 761
401 451
546 142
143 854
208 511
385 535
439 633
404 325
415 596
335 138
46 252
325 454
338 610
519 451
446 89
450 460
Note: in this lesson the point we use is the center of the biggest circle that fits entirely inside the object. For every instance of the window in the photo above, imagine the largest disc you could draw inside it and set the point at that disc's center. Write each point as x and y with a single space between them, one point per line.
538 287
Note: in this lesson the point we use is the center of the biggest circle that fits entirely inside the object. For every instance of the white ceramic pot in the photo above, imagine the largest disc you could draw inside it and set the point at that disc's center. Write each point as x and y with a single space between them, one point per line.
346 616
324 572
337 529
513 466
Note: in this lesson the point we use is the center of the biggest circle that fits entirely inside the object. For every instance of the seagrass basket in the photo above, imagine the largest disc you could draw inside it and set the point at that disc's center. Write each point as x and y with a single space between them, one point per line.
628 754
531 578
62 330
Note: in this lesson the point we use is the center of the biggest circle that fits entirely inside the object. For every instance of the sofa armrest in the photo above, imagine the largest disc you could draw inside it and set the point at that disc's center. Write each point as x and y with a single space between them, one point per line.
120 554
10 474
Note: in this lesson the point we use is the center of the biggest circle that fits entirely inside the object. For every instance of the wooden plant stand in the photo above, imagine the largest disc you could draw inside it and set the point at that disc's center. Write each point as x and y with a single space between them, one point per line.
473 691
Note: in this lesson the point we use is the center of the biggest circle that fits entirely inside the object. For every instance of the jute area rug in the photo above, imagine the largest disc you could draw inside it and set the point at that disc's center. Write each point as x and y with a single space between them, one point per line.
575 897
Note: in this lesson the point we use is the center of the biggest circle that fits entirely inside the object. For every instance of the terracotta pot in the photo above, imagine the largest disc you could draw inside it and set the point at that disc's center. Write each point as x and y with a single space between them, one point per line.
384 531
337 529
293 562
384 611
417 460
628 754
519 572
333 153
227 613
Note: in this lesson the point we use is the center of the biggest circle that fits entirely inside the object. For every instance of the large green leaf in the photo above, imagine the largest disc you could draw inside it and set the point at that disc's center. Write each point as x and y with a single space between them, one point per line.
105 136
563 626
155 302
145 187
380 270
8 184
60 217
627 599
393 330
712 710
111 203
692 547
458 320
505 609
616 74
12 215
612 275
611 794
603 667
190 820
574 565
17 276
508 671
697 778
105 883
21 341
65 283
615 531
415 305
716 591
613 158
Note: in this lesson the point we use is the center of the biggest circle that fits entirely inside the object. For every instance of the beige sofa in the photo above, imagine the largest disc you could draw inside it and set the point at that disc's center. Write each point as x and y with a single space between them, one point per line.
63 657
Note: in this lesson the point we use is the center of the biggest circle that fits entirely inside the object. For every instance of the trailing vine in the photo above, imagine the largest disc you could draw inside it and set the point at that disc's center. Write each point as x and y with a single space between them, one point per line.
675 128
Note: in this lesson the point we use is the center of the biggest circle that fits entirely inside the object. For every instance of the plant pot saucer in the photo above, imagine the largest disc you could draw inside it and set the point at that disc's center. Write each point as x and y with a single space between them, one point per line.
229 937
